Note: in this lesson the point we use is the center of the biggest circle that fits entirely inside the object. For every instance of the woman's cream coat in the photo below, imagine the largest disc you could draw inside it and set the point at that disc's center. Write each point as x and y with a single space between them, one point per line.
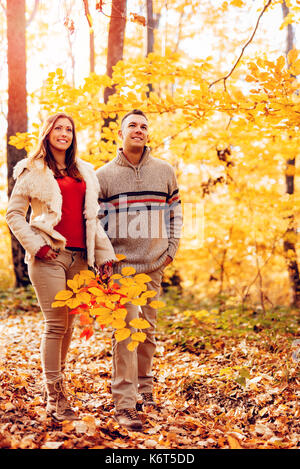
36 186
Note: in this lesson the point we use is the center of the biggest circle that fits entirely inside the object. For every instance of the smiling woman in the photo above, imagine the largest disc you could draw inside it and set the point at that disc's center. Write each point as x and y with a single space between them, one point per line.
63 237
60 138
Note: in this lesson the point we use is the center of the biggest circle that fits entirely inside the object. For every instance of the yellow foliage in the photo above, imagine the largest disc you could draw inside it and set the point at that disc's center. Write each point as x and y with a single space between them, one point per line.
101 301
118 323
139 323
63 295
122 334
132 345
128 271
139 336
157 304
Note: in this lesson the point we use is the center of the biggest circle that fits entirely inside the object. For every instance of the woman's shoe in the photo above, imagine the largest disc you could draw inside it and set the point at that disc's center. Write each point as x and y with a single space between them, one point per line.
58 406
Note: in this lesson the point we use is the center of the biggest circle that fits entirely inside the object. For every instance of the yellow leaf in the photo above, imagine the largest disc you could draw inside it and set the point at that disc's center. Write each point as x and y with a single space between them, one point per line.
142 278
123 301
73 285
149 294
296 67
79 280
128 271
105 319
139 301
139 323
88 274
83 297
57 304
63 295
280 63
157 304
292 55
134 291
290 170
116 276
118 323
98 311
120 313
138 336
132 345
122 334
96 291
127 282
114 297
120 257
73 303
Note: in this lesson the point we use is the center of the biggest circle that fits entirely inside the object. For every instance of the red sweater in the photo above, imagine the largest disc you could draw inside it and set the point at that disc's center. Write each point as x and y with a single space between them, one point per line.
72 224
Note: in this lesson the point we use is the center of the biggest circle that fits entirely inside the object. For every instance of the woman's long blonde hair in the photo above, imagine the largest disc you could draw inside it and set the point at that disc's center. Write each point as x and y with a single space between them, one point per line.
43 150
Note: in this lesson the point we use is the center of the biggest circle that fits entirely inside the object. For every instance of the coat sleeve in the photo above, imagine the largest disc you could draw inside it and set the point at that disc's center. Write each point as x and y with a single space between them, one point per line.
16 220
104 251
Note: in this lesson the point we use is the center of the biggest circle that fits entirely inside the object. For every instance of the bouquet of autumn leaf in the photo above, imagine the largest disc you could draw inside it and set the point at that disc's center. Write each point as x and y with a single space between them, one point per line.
100 299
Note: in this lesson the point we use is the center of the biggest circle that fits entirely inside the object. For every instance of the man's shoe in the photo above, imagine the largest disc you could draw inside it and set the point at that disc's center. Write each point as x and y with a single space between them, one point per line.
129 419
147 400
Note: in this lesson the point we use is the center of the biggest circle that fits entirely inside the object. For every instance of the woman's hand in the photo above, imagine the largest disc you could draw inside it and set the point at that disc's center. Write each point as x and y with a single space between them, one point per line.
106 270
51 254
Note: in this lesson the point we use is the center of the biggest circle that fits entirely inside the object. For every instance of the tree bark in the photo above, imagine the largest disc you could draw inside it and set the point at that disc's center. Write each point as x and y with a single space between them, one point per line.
152 23
17 111
289 243
116 35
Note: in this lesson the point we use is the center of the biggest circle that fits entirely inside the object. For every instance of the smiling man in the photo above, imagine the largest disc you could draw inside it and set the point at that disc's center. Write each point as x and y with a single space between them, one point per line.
141 211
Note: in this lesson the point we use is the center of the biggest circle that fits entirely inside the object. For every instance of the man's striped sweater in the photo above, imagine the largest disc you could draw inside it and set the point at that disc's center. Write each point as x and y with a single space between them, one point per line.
140 210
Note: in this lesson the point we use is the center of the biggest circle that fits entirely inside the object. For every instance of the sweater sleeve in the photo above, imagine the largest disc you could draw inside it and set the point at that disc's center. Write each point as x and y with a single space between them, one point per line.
174 218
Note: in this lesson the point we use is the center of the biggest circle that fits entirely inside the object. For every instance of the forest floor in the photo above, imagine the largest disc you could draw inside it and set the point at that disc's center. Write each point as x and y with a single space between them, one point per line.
225 380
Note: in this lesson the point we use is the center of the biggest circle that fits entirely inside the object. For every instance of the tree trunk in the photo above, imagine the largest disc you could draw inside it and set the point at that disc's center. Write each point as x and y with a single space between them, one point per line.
17 111
291 233
116 36
152 23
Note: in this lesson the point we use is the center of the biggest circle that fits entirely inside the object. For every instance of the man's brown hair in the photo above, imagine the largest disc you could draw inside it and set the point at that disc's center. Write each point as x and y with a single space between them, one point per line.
134 112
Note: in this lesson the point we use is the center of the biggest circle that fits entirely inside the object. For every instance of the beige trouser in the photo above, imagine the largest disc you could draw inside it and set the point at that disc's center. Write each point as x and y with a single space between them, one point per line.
48 277
132 371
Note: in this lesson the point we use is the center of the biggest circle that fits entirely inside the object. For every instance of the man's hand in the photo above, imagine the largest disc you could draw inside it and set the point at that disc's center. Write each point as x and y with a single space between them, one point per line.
168 261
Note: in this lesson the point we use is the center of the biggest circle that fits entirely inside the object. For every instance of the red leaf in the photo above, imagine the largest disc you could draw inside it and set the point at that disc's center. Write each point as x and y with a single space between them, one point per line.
87 333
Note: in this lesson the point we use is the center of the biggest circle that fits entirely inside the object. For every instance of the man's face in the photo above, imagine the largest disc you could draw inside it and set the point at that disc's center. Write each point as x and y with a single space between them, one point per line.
134 132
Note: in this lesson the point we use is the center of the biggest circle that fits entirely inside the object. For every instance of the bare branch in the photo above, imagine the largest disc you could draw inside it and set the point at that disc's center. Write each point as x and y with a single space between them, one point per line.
243 49
3 7
33 13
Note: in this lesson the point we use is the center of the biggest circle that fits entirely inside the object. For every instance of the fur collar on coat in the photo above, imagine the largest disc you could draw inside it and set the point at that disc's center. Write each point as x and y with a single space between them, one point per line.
40 183
36 181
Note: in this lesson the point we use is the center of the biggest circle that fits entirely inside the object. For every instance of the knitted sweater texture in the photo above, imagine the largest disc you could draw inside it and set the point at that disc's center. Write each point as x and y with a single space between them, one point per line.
140 210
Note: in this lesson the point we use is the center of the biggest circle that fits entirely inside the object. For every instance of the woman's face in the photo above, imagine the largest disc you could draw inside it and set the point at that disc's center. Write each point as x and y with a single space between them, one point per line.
61 135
